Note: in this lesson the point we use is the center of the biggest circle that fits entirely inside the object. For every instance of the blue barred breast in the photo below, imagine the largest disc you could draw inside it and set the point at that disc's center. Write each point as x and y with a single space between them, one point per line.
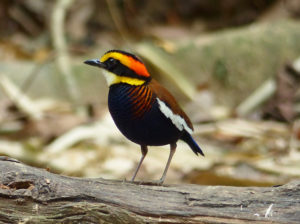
136 113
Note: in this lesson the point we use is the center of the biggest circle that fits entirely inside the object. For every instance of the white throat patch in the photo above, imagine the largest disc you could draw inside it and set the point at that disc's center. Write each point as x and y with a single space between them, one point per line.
176 119
110 77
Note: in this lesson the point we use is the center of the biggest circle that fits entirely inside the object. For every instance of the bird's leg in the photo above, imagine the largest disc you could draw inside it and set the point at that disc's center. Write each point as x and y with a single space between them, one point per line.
144 150
172 151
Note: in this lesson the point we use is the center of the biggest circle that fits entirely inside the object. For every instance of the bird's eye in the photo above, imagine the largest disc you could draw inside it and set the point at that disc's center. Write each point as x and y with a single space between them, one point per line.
111 63
111 60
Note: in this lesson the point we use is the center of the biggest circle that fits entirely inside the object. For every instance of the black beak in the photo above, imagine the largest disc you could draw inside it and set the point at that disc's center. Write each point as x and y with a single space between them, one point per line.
95 62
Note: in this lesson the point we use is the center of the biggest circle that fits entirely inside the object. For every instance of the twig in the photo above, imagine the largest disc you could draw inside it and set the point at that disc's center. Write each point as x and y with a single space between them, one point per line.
24 20
82 133
115 14
60 45
242 128
35 72
260 95
20 99
296 64
294 143
269 211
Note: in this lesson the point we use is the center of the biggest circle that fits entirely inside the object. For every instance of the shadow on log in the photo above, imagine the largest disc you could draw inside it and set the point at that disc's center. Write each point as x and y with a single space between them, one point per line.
32 195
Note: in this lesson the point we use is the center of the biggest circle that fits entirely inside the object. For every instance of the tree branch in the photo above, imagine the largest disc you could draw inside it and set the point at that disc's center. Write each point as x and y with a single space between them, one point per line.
29 194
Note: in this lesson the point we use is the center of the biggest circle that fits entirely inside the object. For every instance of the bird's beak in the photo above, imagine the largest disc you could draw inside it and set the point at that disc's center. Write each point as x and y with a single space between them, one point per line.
95 62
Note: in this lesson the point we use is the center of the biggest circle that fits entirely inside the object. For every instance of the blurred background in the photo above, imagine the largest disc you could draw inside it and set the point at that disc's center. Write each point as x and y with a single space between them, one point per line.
233 65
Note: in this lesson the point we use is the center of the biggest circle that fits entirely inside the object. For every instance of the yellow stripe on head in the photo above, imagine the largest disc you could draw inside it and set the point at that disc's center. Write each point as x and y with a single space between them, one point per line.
129 61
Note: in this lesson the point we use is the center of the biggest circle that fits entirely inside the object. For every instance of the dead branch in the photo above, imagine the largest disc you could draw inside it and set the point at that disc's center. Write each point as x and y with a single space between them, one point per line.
23 102
29 194
58 38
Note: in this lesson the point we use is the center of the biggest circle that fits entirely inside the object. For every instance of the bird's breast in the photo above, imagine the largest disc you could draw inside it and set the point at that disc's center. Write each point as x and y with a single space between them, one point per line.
129 102
135 111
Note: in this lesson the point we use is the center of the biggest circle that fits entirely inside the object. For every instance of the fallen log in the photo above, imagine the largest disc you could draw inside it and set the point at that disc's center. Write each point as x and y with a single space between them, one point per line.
34 195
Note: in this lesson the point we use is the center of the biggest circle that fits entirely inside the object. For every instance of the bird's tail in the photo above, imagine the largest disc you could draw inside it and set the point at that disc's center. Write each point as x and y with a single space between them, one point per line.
186 137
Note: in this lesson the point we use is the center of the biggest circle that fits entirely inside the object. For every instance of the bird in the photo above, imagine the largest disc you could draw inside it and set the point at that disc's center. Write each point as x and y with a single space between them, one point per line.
143 110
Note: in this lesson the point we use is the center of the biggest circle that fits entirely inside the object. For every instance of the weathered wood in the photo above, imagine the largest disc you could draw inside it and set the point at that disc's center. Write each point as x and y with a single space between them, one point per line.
34 195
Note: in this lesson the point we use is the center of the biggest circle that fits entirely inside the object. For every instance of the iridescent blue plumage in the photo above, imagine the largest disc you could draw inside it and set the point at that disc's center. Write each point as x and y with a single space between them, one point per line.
151 127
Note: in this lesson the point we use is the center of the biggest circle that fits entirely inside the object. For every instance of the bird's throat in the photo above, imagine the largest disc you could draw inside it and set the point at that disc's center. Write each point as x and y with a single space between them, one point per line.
112 78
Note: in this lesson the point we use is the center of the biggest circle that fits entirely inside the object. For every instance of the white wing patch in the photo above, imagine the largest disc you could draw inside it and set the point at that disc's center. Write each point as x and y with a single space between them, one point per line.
176 119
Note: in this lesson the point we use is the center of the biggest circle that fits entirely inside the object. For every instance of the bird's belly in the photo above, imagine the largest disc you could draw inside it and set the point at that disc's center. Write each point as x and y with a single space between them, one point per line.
151 128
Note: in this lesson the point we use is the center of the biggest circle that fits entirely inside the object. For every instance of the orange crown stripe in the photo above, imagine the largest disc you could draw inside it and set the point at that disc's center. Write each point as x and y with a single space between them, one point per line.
128 61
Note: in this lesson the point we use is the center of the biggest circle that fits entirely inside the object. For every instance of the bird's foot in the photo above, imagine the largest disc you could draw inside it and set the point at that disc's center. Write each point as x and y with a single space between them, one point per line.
151 183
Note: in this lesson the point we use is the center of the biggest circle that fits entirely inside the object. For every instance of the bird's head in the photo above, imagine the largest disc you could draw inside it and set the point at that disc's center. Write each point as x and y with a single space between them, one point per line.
121 67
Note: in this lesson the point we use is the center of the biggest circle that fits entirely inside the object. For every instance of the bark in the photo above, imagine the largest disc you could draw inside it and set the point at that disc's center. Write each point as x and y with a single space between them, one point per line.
33 195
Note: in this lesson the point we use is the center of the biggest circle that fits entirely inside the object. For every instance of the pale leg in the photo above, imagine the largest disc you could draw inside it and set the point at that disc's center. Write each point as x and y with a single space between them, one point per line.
172 151
144 150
